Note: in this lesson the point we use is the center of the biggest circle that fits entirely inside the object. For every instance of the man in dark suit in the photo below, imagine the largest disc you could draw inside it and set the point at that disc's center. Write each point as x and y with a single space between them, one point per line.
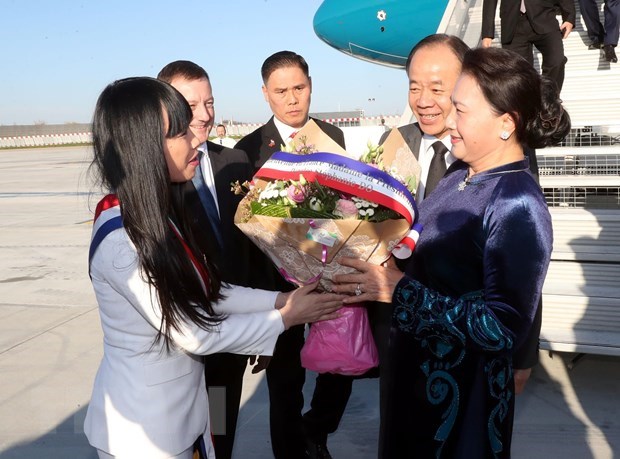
605 38
287 88
528 23
433 67
210 206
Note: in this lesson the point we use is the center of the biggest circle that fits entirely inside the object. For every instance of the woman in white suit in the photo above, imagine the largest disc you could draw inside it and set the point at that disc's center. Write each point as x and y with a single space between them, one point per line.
160 300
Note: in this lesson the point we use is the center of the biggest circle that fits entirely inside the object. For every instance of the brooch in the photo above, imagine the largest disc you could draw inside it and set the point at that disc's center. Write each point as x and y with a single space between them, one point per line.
271 143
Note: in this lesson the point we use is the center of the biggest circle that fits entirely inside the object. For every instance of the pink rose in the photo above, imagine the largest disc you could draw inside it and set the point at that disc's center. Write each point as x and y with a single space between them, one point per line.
345 208
296 193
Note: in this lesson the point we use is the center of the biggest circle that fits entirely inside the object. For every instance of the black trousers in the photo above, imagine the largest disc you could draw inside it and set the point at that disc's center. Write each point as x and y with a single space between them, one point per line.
285 380
224 378
329 400
550 46
590 13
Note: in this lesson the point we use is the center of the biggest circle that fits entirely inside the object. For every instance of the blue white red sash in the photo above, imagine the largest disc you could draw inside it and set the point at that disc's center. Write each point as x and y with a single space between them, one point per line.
343 174
108 218
349 176
203 276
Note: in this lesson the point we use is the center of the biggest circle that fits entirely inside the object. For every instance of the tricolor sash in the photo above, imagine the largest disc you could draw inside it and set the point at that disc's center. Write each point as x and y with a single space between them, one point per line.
108 218
352 177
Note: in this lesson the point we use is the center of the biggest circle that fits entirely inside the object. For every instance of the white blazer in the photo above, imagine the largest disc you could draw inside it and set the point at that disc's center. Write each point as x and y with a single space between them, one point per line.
147 402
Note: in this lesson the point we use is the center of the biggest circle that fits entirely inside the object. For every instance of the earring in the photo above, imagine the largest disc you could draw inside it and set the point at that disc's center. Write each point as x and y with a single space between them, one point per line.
505 135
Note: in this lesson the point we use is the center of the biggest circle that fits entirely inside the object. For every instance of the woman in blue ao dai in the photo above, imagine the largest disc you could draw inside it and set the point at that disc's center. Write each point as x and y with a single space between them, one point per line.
472 287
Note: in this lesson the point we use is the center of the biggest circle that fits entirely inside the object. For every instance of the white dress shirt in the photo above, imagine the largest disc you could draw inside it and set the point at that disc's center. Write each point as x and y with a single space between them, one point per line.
285 130
227 142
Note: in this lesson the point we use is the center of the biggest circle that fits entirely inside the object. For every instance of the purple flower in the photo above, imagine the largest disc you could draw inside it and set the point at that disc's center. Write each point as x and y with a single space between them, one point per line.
345 208
296 193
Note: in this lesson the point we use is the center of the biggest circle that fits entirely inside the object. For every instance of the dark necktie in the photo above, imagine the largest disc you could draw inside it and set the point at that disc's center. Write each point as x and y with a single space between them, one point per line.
208 203
437 168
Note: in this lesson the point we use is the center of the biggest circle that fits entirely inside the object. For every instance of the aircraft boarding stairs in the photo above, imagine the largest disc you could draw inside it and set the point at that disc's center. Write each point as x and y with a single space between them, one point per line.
581 181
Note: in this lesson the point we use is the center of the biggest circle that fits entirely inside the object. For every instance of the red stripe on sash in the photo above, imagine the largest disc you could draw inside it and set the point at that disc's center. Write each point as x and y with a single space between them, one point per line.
325 180
106 203
200 269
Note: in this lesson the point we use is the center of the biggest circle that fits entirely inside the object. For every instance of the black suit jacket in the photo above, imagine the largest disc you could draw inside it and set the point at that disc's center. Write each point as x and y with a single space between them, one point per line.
260 144
540 13
228 165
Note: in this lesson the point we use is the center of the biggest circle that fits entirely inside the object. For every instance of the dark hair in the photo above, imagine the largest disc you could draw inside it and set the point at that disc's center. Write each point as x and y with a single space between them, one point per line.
283 59
220 125
511 85
184 69
458 46
128 140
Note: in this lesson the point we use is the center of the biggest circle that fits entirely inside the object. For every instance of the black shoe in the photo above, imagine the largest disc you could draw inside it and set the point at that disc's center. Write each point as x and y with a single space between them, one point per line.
610 54
596 44
317 450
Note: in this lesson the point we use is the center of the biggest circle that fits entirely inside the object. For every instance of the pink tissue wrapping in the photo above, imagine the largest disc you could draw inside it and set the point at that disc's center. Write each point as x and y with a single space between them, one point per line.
343 346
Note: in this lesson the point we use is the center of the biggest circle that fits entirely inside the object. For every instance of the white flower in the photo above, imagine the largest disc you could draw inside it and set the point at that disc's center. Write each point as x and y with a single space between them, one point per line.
316 204
366 212
271 191
362 203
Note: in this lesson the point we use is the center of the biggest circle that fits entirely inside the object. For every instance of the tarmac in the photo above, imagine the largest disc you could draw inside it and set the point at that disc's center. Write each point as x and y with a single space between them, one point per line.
51 342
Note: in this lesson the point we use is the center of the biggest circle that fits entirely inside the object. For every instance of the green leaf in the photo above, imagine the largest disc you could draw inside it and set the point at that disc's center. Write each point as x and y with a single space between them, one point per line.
382 214
411 184
300 212
271 210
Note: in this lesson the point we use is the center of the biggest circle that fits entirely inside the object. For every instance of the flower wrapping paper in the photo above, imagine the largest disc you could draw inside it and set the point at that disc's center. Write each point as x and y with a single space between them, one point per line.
302 260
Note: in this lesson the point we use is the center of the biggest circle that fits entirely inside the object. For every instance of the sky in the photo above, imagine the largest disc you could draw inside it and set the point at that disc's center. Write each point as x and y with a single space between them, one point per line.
58 55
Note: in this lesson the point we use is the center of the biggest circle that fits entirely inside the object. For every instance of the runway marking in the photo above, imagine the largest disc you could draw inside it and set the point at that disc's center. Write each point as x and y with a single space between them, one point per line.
20 279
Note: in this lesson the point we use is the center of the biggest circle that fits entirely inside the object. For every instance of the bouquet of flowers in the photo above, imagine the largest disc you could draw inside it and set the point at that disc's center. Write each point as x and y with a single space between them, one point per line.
307 208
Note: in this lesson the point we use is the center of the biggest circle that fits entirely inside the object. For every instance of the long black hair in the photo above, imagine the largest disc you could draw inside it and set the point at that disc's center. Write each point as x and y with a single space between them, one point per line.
128 139
511 85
